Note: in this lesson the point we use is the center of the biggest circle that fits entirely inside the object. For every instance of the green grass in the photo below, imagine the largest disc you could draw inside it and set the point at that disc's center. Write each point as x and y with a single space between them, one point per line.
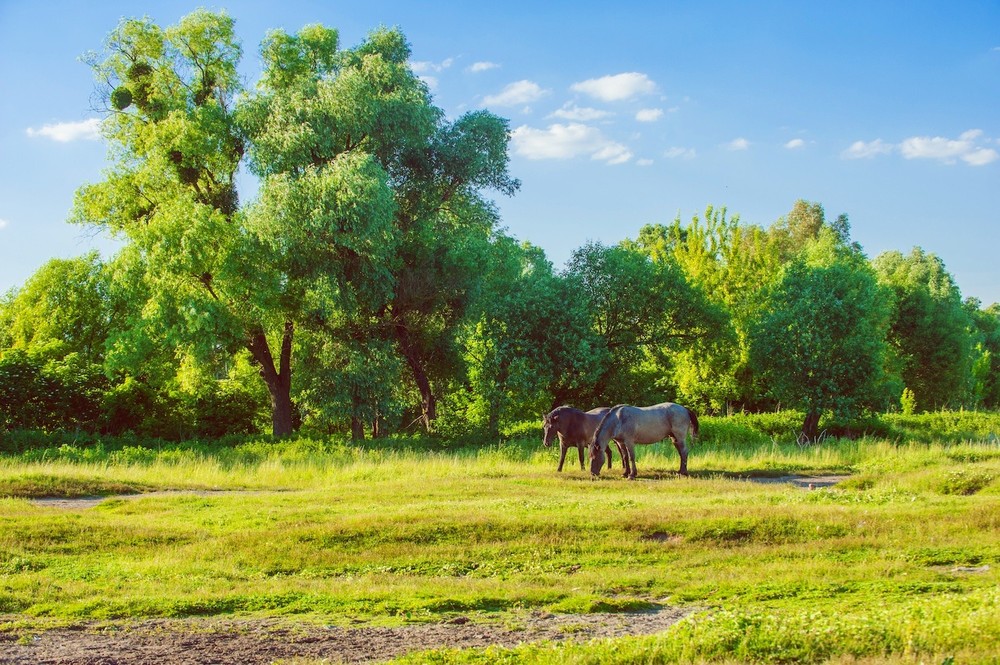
897 564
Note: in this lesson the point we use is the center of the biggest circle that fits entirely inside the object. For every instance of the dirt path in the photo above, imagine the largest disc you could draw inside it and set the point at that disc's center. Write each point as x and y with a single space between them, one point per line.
806 482
77 503
252 642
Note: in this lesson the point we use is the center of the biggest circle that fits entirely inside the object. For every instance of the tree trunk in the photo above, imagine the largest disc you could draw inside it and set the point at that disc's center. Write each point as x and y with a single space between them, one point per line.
810 427
357 429
357 423
277 379
428 404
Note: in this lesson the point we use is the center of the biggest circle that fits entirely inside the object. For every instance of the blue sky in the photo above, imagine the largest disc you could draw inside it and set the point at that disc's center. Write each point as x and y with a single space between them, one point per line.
623 113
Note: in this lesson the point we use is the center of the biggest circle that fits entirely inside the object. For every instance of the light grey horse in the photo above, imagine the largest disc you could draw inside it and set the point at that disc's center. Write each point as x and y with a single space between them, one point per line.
628 425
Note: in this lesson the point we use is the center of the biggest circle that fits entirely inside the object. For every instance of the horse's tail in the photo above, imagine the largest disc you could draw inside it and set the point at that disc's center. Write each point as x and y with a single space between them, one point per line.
604 422
694 420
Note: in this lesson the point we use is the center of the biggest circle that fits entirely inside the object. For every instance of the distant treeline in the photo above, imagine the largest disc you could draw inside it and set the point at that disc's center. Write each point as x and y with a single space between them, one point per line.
366 286
721 316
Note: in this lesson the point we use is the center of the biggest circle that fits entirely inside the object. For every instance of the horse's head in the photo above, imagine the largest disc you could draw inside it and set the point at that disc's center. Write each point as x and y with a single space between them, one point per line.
596 458
551 425
602 438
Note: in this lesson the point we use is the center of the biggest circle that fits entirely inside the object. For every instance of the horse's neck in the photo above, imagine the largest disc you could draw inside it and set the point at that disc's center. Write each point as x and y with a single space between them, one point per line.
608 427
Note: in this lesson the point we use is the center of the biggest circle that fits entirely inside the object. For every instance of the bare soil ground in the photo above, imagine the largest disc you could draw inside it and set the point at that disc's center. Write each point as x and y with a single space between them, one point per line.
805 482
252 642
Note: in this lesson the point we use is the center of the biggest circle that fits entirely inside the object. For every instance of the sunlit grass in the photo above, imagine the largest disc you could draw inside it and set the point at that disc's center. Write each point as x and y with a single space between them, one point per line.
872 569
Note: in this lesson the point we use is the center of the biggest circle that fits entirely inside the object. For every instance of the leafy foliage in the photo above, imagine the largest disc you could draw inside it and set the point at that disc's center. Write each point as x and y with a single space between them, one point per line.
929 333
819 341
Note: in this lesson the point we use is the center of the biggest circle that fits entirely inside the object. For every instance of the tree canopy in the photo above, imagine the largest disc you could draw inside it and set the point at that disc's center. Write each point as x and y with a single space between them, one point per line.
360 180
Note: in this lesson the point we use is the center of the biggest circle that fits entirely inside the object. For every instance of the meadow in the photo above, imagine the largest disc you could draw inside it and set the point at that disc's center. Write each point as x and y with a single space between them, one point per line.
898 562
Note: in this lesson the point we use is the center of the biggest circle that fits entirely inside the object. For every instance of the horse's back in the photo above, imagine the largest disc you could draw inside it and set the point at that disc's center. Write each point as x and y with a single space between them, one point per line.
579 426
649 424
591 420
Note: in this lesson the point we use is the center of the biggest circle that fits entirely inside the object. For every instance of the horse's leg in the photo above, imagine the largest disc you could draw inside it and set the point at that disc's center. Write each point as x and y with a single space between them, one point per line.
679 439
562 455
630 448
579 449
623 454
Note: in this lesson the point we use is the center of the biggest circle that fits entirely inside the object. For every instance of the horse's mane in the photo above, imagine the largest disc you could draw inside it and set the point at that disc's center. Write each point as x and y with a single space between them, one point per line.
604 420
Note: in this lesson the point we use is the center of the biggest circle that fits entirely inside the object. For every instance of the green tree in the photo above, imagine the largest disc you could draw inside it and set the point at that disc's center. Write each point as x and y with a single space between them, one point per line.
819 343
433 221
644 311
531 345
65 304
357 169
52 346
986 363
930 331
203 280
732 264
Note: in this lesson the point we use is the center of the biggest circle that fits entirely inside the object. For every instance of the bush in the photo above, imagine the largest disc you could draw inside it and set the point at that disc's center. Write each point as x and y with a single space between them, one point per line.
36 393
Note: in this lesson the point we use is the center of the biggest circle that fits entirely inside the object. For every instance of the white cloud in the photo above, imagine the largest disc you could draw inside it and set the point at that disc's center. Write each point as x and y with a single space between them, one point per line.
968 147
613 153
677 152
519 92
795 144
948 150
64 132
431 81
738 144
421 66
567 141
483 66
649 115
3 223
571 111
981 157
644 162
864 150
617 87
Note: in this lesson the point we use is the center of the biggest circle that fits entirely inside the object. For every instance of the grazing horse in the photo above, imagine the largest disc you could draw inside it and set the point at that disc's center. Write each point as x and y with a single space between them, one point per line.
628 425
575 429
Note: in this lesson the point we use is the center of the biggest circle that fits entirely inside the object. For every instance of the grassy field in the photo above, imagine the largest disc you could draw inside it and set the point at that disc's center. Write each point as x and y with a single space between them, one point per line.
898 563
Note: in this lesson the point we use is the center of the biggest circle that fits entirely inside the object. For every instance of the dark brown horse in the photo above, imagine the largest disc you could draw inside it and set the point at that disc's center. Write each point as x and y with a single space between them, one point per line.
574 427
628 425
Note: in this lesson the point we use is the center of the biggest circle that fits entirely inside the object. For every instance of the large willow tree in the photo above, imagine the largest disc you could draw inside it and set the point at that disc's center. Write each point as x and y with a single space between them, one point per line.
360 181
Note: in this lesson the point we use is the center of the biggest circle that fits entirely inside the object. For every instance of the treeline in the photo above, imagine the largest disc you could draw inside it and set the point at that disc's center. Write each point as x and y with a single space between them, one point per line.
367 288
716 314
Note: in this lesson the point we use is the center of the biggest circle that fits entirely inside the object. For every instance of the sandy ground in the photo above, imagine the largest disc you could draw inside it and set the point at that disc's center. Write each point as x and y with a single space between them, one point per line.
252 642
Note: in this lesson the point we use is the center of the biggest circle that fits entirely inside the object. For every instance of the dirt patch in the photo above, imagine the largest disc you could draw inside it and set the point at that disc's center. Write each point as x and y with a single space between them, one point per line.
82 502
252 642
805 482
